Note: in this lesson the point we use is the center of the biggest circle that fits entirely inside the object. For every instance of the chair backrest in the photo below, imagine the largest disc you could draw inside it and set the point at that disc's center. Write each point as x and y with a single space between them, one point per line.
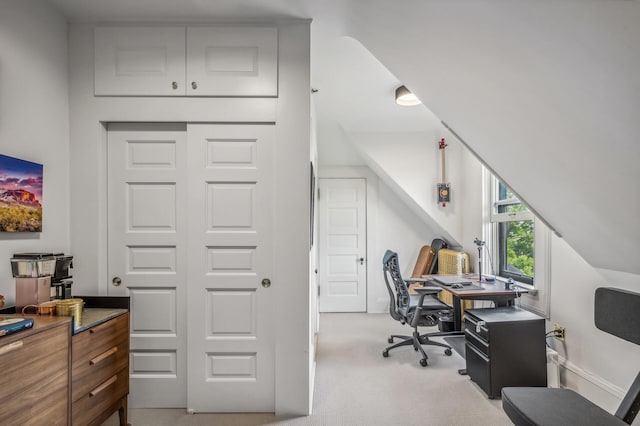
398 292
617 312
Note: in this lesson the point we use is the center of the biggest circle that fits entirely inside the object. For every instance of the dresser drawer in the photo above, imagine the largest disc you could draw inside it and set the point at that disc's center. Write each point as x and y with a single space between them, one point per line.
104 398
476 342
478 368
476 327
35 377
88 373
99 339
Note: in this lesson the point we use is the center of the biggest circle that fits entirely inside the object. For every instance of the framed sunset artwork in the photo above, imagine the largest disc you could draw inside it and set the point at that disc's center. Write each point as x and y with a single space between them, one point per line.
20 195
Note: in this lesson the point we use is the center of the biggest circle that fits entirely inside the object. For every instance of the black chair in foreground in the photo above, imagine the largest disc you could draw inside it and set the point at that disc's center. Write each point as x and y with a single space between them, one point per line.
616 312
416 310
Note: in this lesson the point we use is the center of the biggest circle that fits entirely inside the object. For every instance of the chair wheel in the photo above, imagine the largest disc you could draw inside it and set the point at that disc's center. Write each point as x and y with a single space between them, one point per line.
385 354
447 352
390 340
423 362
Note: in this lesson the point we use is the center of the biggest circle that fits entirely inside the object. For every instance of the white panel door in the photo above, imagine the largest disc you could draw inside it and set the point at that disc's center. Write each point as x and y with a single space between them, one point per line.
142 61
147 195
232 61
230 316
343 245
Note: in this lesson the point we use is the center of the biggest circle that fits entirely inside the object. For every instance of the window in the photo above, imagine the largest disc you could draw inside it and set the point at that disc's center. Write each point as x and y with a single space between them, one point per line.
520 244
514 235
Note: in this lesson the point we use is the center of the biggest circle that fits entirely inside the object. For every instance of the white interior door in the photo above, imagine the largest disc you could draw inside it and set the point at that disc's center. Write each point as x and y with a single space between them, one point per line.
230 316
147 195
343 245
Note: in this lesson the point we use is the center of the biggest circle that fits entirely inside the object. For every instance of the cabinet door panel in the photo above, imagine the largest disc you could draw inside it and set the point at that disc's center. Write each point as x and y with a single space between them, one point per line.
232 61
143 61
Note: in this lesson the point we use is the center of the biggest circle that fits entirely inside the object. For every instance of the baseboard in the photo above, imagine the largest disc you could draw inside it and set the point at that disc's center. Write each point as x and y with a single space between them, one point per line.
593 387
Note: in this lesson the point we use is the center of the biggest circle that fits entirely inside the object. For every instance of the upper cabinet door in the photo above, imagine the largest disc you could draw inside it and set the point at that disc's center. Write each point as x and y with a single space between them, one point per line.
141 61
232 61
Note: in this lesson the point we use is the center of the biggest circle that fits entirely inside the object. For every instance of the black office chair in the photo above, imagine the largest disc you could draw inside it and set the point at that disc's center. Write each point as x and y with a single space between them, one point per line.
616 312
416 310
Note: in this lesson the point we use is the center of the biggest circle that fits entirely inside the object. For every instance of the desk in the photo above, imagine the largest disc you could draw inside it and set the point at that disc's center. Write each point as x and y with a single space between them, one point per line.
494 292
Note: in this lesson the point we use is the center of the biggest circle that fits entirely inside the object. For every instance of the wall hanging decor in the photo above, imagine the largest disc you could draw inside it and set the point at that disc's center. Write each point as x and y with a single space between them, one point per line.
20 195
444 188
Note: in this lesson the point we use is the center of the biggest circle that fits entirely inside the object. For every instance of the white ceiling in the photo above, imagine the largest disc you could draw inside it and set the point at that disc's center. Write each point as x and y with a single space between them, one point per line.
355 91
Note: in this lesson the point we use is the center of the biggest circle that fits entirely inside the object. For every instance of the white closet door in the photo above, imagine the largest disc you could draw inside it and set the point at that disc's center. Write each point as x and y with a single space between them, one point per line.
230 315
343 245
147 195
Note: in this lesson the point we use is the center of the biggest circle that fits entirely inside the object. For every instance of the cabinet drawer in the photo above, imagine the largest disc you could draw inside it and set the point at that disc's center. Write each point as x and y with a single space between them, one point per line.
102 398
478 368
87 374
478 343
99 339
36 370
476 327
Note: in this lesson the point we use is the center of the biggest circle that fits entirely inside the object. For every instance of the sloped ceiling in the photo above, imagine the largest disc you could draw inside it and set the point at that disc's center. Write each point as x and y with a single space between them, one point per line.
547 93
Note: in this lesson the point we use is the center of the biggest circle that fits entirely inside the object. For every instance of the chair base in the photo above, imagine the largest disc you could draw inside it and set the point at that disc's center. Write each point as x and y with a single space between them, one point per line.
417 340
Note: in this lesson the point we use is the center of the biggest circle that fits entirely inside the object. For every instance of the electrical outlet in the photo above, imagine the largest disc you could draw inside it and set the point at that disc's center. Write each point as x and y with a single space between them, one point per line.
559 332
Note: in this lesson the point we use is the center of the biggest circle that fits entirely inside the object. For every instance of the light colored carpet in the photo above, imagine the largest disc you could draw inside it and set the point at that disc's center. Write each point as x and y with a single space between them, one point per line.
355 385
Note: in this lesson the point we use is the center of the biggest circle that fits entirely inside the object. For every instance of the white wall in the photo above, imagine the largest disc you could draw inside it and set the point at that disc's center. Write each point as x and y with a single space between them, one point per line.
291 227
291 112
600 366
400 230
411 164
34 120
335 148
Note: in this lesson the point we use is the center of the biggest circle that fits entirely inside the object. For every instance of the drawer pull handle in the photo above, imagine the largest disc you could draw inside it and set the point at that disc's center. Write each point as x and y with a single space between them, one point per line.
104 355
11 347
99 328
103 386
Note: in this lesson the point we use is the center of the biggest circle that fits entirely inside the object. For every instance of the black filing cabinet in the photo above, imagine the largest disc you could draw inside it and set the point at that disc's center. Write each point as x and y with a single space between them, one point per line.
505 347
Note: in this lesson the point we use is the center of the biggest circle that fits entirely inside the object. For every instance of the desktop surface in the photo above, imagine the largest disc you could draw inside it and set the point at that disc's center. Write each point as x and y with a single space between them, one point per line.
468 287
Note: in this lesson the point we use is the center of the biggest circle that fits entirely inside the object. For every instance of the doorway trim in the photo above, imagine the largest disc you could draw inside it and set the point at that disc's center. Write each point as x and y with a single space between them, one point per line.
373 265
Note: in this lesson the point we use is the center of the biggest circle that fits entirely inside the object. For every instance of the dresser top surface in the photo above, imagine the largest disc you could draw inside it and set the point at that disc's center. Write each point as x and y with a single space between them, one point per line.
504 314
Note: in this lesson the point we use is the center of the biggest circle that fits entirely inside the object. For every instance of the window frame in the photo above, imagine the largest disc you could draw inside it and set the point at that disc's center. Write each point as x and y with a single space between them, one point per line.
538 297
501 219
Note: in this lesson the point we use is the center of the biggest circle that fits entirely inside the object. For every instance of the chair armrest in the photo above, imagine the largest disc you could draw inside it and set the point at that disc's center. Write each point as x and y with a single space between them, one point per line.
423 292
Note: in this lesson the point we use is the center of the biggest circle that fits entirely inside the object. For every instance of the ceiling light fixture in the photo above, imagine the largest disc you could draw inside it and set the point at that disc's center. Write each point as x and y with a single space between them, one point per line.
404 97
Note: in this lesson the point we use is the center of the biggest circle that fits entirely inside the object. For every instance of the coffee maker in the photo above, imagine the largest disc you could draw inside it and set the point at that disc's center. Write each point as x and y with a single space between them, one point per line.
37 274
61 280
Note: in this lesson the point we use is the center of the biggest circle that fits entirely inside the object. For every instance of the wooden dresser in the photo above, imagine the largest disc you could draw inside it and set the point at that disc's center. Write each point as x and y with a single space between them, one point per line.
100 372
54 374
35 373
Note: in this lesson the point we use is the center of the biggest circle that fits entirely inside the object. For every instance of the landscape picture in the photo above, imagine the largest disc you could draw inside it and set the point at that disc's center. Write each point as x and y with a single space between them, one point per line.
20 195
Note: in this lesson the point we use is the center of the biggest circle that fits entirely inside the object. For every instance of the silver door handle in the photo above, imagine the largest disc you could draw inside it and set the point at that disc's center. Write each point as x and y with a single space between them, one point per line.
116 281
361 260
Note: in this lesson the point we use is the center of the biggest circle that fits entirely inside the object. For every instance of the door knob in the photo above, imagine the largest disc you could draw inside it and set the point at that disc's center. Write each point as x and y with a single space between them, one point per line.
174 85
266 283
194 85
361 260
116 281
